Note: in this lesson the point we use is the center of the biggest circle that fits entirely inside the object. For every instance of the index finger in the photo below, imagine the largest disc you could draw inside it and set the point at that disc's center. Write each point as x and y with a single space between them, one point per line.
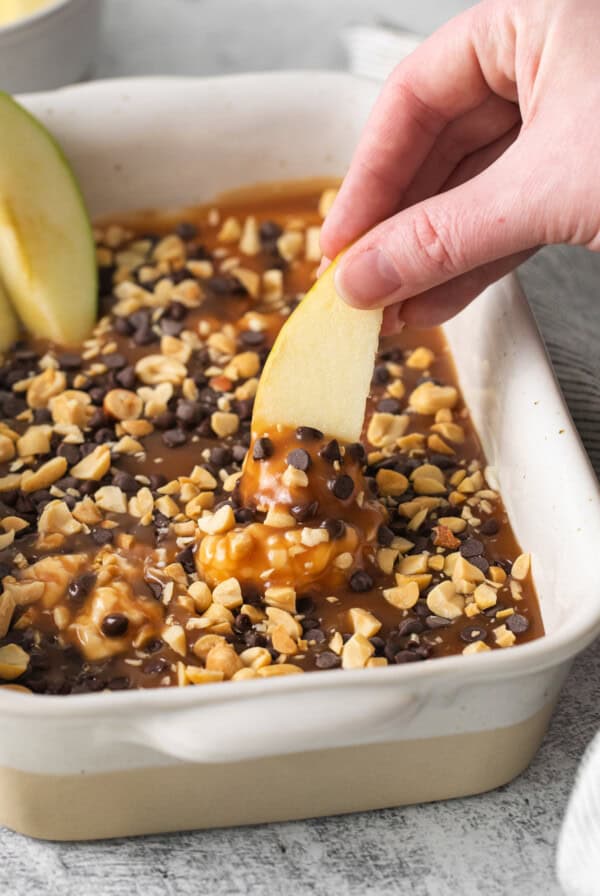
437 83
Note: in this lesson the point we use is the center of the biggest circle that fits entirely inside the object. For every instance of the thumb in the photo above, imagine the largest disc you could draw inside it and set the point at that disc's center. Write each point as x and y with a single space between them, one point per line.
491 216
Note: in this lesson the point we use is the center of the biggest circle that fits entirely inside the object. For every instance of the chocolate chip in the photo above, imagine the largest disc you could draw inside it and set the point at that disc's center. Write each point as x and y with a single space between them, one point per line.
434 622
407 656
171 327
188 412
69 360
481 563
185 230
490 527
315 634
389 406
42 415
239 453
186 558
123 326
385 536
252 338
244 515
79 588
336 528
126 378
341 487
308 434
410 626
381 375
71 453
517 623
304 512
360 581
242 623
472 547
126 482
331 451
356 452
120 683
164 420
115 361
299 458
327 660
115 625
269 231
173 438
263 448
156 666
255 639
157 480
225 286
102 536
473 633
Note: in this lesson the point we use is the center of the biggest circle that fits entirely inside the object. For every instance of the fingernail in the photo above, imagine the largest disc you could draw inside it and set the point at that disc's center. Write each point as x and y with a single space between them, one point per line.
325 262
367 278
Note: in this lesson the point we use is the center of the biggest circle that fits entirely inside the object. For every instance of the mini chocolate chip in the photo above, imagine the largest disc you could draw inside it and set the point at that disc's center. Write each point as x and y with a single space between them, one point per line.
356 452
239 453
102 536
304 512
244 515
80 588
255 639
156 666
71 453
171 327
120 683
269 231
336 528
185 230
360 580
517 623
434 622
115 361
242 623
69 360
221 455
327 660
389 406
385 536
103 435
126 482
173 438
490 527
42 415
473 633
157 480
263 448
155 587
223 286
410 626
481 563
315 634
252 338
308 434
126 378
381 375
331 451
472 547
145 335
123 326
407 656
299 458
186 558
188 412
304 604
115 625
164 420
341 487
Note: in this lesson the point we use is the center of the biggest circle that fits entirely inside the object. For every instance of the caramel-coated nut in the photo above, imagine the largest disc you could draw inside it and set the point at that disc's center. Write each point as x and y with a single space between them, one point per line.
123 404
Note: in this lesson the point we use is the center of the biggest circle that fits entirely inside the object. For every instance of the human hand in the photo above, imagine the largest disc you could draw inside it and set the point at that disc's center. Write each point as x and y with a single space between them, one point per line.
479 149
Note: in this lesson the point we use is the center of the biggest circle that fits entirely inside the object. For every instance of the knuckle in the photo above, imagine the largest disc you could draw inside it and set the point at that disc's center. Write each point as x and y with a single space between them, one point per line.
434 244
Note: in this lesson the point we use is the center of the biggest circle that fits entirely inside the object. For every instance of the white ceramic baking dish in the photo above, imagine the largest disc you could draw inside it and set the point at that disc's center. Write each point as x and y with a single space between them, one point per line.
128 763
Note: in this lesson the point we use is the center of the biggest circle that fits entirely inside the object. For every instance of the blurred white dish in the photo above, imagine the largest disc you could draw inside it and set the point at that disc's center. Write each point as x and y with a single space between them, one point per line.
49 48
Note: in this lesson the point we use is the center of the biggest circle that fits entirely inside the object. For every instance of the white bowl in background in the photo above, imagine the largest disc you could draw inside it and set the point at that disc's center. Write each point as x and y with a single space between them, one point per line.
49 48
113 764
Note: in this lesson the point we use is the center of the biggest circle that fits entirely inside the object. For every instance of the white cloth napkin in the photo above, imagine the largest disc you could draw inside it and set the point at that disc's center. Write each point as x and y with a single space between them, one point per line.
372 53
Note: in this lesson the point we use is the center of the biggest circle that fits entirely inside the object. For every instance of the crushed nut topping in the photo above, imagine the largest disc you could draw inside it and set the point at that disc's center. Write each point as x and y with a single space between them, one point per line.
149 539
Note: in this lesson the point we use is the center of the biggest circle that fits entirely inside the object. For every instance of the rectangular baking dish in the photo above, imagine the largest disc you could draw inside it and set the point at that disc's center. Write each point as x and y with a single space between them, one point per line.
114 764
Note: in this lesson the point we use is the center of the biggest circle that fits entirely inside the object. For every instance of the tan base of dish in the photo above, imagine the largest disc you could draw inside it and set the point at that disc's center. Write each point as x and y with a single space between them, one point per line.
283 788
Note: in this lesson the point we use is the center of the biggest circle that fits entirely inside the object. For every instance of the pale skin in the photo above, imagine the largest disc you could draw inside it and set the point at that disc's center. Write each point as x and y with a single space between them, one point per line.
480 149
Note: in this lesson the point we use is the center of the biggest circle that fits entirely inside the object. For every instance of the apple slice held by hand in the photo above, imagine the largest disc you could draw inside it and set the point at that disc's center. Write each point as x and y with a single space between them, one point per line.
9 325
47 258
320 368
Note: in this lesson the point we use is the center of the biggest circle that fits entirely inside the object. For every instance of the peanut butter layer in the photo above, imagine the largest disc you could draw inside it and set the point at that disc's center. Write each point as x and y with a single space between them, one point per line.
133 553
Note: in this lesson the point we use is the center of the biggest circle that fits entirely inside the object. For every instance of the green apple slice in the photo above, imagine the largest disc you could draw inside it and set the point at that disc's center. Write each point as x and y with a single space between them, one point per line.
47 258
9 325
319 370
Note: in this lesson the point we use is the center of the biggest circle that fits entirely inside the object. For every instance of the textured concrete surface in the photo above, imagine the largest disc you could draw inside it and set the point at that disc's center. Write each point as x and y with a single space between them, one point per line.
492 845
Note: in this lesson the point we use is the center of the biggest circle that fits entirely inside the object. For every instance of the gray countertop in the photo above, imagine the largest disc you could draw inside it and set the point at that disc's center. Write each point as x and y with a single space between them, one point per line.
499 843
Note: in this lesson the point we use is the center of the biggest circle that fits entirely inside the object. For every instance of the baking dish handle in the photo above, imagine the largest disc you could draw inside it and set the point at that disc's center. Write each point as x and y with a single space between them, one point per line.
250 727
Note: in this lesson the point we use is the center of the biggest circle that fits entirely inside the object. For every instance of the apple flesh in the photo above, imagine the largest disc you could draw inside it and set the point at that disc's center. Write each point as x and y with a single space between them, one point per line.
47 256
9 325
320 368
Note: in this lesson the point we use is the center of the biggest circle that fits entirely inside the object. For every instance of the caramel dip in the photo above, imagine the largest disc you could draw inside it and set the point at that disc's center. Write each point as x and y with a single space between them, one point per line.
134 553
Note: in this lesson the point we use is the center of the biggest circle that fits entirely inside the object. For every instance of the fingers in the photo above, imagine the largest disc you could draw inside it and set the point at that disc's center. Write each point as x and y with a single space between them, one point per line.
441 303
440 81
491 216
476 129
